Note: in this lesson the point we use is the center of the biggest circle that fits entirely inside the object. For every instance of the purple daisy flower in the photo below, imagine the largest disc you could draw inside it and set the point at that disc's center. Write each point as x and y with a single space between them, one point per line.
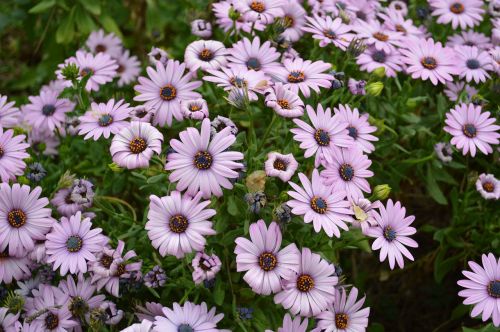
472 129
372 59
358 127
375 34
293 325
149 311
51 303
251 55
263 260
443 151
328 131
164 89
284 102
470 38
186 227
203 164
72 243
309 291
345 314
473 63
249 82
158 55
49 140
101 68
329 31
128 69
260 10
8 320
135 145
394 21
280 165
294 19
205 54
106 43
399 7
54 85
141 113
356 87
111 265
463 13
196 109
454 90
13 268
64 204
205 267
429 60
348 171
201 28
364 211
47 112
23 218
488 186
189 317
144 326
219 123
392 233
12 152
9 114
104 119
81 296
482 288
221 11
317 203
303 75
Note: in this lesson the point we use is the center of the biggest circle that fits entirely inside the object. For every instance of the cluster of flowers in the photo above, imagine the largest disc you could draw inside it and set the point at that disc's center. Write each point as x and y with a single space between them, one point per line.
201 163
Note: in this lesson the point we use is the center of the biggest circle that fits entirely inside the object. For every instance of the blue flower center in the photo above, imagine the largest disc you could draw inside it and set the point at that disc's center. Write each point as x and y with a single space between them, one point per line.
86 71
457 8
429 62
346 172
16 218
319 205
330 34
296 76
469 130
168 92
379 56
203 160
253 63
178 224
389 234
473 64
494 289
322 137
74 243
48 109
238 82
105 120
185 328
267 261
353 132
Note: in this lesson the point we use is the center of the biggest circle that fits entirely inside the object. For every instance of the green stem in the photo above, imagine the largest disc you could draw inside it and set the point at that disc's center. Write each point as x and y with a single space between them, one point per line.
120 201
268 131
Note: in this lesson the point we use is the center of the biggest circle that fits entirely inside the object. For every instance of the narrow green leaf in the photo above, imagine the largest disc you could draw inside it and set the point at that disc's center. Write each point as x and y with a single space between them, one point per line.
110 25
434 189
93 6
42 6
66 29
85 23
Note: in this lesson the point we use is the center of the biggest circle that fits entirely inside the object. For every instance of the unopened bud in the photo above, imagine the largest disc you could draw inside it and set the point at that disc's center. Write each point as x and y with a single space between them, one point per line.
379 72
381 192
375 88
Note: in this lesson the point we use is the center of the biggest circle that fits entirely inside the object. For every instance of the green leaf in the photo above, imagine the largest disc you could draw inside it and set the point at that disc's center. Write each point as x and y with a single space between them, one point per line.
232 207
93 6
442 266
219 292
85 23
66 30
434 189
42 6
110 25
486 328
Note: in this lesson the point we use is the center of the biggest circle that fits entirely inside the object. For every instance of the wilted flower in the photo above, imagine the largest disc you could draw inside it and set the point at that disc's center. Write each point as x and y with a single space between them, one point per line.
245 313
158 55
36 172
357 87
219 123
256 181
201 28
205 267
443 151
256 201
155 278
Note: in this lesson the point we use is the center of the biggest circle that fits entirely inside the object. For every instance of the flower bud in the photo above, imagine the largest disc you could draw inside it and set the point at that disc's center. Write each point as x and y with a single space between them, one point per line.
375 88
234 14
115 168
70 72
379 72
381 192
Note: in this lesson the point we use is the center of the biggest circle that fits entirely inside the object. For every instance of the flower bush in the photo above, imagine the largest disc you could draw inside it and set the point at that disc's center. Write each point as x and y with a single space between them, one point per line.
238 165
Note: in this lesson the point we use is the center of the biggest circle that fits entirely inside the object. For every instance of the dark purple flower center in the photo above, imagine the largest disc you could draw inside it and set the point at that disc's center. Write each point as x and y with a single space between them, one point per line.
257 6
389 234
137 145
86 71
473 64
120 68
400 28
489 187
168 92
379 56
48 109
74 243
457 8
305 283
429 62
100 48
319 205
280 164
120 269
51 321
296 76
178 224
105 120
206 55
341 321
361 15
16 218
185 328
78 306
238 82
346 172
106 261
194 107
267 261
494 289
353 132
203 160
1 152
469 130
253 63
322 137
330 34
